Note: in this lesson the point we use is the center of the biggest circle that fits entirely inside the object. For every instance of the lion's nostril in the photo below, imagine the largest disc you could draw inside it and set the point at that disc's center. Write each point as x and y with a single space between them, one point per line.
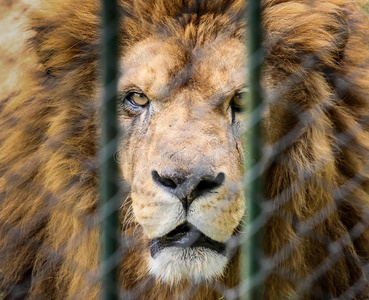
188 188
209 184
164 181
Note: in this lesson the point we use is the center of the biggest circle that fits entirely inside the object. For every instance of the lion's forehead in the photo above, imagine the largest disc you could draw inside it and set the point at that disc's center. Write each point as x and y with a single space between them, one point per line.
161 67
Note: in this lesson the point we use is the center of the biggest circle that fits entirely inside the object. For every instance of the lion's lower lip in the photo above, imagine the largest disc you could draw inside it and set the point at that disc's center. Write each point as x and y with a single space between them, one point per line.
186 236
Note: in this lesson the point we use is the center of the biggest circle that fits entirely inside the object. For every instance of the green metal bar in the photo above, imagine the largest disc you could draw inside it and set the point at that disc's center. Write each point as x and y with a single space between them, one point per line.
109 183
253 247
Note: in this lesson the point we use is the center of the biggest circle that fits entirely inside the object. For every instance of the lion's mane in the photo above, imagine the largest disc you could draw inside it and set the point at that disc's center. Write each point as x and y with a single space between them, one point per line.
316 128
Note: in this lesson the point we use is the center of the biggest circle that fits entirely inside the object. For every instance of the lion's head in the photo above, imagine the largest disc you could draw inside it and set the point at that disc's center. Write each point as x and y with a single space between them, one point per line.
182 155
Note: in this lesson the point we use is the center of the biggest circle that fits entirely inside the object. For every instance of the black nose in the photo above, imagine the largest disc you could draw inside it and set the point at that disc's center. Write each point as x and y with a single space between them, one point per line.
188 188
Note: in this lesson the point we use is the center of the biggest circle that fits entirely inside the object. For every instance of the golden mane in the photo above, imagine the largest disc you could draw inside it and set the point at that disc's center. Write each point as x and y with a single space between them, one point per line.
317 130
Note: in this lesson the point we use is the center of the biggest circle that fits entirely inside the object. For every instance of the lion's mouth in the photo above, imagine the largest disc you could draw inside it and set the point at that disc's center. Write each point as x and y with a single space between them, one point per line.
186 236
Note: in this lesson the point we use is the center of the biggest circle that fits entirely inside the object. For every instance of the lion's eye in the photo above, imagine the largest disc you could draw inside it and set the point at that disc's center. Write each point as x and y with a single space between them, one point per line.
133 103
239 101
137 99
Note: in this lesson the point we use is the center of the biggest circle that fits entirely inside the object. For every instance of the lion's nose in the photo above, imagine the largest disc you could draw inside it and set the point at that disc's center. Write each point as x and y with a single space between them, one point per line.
188 187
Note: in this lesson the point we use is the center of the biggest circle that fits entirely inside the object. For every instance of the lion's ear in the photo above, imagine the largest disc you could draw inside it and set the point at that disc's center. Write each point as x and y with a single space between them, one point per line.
296 36
61 38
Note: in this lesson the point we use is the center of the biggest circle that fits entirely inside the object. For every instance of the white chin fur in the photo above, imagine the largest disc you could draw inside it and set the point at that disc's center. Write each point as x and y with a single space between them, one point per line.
174 264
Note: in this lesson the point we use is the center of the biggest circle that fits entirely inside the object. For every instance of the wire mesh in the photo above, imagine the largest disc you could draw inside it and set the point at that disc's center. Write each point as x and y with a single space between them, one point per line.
181 223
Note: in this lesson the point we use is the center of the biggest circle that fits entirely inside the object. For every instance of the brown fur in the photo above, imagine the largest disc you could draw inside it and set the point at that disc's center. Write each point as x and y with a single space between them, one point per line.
316 124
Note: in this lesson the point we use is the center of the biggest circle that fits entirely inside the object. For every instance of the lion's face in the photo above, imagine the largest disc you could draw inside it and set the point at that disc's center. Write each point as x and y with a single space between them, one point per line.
182 151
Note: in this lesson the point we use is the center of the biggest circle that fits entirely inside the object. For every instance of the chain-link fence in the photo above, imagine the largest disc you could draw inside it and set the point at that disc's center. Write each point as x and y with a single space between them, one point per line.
235 166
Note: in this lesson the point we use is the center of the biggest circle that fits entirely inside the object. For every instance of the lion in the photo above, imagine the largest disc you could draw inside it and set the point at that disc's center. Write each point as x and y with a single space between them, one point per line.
181 99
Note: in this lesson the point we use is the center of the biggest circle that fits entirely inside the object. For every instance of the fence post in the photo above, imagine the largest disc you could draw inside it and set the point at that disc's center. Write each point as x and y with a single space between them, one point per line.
252 247
109 177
